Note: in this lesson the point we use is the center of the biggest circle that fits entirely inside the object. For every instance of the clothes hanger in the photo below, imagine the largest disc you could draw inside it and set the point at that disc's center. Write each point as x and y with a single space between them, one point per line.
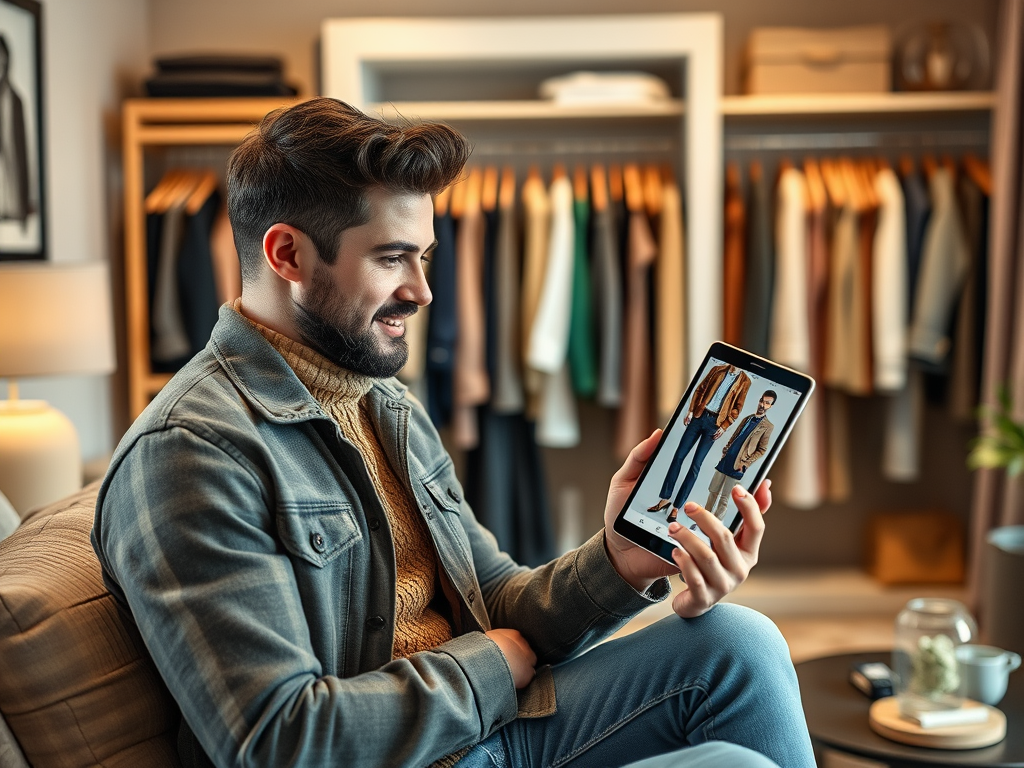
979 173
579 183
205 187
668 175
598 187
474 188
817 197
507 194
949 164
153 201
489 189
457 204
835 184
558 172
854 190
441 200
533 175
867 172
616 186
929 165
634 188
732 175
652 190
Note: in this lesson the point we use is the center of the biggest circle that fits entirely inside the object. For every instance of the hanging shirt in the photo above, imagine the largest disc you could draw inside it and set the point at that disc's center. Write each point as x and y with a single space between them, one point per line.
507 385
757 313
582 354
536 230
734 262
791 333
945 260
636 415
471 385
889 284
670 305
608 295
557 420
442 323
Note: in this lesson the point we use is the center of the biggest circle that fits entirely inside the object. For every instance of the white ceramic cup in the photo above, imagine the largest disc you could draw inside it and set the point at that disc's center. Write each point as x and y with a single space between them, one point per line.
984 671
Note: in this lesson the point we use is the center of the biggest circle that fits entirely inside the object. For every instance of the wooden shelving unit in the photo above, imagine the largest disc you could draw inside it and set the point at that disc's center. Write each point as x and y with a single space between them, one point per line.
857 103
523 110
149 123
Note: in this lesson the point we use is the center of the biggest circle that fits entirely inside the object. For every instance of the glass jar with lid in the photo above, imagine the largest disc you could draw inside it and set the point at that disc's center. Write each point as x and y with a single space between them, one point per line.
928 631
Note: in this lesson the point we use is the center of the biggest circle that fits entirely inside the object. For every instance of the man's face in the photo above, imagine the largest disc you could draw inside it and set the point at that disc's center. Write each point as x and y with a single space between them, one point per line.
353 312
764 404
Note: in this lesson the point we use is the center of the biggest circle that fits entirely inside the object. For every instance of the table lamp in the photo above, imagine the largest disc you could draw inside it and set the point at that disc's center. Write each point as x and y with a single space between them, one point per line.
55 319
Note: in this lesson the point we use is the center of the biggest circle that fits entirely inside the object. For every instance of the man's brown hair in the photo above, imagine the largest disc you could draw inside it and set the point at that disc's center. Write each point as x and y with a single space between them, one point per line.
309 166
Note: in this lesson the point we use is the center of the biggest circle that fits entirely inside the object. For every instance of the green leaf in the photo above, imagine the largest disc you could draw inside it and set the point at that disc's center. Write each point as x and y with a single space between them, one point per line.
1015 466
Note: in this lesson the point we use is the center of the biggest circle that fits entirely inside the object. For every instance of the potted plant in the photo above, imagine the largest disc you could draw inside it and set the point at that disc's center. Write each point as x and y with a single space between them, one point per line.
1001 443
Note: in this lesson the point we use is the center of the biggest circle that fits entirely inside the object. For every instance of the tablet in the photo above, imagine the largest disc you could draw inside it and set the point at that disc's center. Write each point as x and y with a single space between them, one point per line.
730 425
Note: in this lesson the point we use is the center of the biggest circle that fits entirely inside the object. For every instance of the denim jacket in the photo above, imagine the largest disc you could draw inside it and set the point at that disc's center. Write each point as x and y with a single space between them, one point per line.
243 534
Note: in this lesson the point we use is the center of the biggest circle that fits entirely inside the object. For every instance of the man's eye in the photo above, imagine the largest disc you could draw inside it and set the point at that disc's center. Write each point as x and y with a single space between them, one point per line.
393 260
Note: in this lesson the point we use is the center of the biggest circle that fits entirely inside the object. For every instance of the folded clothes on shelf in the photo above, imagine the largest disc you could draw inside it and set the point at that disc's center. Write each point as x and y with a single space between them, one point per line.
215 75
604 88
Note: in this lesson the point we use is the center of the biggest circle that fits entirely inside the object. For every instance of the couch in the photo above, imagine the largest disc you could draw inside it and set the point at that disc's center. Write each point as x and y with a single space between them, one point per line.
77 686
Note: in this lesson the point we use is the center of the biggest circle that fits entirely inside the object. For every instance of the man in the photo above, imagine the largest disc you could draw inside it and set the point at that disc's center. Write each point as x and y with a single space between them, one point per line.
715 405
286 528
748 443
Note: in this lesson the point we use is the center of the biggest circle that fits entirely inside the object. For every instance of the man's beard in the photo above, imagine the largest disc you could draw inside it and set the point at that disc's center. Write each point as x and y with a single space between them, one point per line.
342 340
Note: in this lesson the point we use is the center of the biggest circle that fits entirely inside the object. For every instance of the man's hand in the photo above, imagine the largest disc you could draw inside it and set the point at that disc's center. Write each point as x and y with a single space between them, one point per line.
518 653
635 564
718 433
640 568
686 421
711 574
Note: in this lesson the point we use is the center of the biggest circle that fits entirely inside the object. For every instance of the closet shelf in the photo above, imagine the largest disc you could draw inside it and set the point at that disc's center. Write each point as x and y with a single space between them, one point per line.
521 110
857 103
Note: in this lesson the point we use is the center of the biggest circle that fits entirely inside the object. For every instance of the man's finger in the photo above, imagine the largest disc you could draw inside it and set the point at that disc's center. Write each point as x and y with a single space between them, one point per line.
749 538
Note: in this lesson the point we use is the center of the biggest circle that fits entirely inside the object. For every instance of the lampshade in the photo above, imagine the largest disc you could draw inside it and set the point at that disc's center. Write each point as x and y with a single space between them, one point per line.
55 319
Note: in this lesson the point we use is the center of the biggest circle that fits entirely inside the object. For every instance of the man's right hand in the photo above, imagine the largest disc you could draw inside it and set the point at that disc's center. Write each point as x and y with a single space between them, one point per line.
686 421
518 653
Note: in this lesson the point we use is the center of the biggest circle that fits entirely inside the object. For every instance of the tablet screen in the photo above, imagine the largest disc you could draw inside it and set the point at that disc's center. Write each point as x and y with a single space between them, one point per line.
729 423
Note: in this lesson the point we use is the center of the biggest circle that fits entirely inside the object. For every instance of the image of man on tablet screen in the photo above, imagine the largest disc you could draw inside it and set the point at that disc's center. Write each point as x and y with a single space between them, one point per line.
716 404
748 443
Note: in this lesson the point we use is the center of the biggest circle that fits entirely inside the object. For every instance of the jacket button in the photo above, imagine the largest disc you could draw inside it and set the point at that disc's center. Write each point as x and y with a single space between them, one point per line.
375 623
454 496
471 596
317 540
374 523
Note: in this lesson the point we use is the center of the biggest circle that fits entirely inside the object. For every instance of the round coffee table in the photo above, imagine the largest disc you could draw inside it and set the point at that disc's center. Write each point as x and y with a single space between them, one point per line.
837 718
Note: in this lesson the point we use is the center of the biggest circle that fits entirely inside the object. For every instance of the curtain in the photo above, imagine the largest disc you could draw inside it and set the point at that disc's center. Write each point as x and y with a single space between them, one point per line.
997 499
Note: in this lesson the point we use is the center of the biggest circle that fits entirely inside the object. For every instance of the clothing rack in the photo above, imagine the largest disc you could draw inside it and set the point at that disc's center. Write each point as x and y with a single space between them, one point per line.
789 142
567 147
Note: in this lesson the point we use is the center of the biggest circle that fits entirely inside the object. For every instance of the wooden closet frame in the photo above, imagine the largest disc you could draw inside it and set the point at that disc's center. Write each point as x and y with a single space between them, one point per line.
151 123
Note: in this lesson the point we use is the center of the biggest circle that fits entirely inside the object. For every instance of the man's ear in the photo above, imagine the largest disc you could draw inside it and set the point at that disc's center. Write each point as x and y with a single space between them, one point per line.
288 251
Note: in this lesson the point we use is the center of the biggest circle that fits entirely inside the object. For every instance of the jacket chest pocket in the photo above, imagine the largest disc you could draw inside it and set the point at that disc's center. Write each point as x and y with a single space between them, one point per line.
317 532
443 512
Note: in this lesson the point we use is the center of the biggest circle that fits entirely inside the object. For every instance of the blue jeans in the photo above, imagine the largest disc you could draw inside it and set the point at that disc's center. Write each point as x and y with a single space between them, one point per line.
700 432
717 690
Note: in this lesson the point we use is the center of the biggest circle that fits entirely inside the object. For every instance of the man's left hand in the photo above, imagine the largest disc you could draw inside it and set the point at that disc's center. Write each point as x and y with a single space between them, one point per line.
718 433
641 568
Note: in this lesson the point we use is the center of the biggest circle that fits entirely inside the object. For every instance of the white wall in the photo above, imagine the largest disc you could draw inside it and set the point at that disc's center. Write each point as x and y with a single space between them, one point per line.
95 51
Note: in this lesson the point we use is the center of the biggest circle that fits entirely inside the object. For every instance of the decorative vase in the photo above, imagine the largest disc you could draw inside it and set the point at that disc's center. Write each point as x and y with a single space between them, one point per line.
928 632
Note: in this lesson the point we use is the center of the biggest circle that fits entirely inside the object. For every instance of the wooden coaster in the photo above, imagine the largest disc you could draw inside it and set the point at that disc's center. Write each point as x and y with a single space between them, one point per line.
885 720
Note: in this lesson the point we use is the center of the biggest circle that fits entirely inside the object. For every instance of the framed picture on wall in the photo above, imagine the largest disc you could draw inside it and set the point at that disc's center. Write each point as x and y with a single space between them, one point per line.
22 202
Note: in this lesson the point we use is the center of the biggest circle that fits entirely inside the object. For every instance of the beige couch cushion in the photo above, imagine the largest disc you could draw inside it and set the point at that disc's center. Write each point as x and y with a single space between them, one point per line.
76 684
